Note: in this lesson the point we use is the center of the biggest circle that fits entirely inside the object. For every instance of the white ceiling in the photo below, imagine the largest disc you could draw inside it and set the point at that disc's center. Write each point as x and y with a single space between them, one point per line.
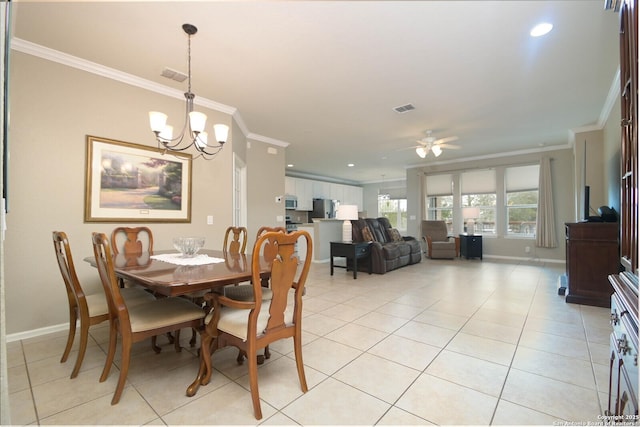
324 76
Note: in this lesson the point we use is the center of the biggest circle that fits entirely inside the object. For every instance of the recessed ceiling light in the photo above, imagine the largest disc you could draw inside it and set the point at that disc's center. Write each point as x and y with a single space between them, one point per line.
290 165
350 165
541 29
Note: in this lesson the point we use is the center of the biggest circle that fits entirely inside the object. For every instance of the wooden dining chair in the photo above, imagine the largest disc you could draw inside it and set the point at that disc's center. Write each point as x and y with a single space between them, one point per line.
245 292
133 243
90 309
136 323
235 240
252 325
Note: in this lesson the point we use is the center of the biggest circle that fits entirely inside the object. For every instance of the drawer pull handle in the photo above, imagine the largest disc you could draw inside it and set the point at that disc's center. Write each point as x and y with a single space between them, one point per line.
614 318
623 345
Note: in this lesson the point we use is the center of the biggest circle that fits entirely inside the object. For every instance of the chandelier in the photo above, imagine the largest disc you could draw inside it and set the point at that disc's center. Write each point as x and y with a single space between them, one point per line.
193 131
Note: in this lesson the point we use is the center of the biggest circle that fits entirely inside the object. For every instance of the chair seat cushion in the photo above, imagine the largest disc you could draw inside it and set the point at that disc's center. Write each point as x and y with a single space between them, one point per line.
163 312
234 321
97 303
245 293
391 251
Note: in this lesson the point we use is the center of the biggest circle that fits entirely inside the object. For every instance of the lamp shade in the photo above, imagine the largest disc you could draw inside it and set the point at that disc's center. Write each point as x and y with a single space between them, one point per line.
471 212
157 121
197 121
347 212
222 133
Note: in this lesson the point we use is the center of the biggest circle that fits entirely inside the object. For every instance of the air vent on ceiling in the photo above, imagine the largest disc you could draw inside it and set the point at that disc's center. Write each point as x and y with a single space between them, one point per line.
404 108
174 75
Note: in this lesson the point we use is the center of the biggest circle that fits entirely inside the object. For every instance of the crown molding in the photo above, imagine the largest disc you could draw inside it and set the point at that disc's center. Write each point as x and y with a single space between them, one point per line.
48 54
612 97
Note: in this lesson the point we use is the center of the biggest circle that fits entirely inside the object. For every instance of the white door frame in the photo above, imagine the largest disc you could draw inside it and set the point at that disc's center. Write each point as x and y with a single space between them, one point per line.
239 192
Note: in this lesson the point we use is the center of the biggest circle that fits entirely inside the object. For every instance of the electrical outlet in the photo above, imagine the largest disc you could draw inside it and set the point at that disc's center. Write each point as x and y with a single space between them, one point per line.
209 219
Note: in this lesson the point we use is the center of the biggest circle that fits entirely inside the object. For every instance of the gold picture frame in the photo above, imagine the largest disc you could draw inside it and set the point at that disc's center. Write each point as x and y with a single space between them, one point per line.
128 182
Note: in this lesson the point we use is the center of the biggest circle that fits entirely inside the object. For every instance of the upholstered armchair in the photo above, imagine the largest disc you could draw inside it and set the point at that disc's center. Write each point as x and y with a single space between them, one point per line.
439 245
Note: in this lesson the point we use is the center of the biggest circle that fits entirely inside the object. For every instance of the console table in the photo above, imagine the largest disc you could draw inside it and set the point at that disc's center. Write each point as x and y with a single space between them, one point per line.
352 251
471 246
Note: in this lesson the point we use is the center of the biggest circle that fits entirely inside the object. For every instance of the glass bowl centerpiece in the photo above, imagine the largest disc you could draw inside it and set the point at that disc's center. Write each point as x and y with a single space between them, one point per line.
188 246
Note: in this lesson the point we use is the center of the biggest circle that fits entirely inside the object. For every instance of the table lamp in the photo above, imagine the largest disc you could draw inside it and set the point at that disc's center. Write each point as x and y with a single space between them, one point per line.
347 213
470 213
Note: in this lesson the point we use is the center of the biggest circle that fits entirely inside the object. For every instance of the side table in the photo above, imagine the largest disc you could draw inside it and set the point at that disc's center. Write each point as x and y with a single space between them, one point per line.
352 251
471 246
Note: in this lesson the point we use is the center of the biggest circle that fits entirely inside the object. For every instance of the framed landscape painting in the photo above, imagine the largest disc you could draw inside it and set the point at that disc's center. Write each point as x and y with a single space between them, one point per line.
128 182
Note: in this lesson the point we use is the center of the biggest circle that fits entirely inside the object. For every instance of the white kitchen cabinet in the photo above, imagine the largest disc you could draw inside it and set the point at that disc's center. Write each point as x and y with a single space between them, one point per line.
337 192
321 190
289 186
304 192
353 196
307 189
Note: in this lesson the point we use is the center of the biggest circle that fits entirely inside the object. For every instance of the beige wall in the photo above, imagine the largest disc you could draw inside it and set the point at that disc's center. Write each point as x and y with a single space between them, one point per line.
53 107
266 181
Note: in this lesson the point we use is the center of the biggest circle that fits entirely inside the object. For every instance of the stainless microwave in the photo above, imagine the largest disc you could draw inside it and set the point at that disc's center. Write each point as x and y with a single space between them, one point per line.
291 202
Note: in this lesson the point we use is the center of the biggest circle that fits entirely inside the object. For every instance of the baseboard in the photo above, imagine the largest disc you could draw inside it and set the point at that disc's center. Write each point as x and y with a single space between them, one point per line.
530 259
37 332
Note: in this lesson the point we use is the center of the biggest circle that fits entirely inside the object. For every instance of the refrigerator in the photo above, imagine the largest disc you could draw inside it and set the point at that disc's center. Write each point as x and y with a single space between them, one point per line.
324 208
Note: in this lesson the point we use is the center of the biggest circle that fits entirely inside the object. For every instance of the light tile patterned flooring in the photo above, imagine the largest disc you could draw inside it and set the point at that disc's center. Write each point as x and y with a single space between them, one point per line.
441 342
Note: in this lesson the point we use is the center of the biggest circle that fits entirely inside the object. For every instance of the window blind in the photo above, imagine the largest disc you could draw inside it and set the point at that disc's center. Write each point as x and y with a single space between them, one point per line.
439 185
522 178
478 182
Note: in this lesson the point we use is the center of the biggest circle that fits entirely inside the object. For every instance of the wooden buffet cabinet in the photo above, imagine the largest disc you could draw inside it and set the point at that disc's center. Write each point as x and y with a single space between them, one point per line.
592 255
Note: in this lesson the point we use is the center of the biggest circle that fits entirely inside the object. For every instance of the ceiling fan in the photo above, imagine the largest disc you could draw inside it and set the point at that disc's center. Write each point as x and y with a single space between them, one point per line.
431 143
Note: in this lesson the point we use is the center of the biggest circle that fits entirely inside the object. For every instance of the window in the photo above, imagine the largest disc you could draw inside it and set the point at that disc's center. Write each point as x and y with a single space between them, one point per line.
440 199
521 186
479 192
395 210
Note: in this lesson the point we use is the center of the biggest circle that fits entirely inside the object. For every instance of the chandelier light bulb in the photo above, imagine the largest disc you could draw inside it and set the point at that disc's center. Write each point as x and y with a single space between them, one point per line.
222 133
166 134
157 121
197 121
201 140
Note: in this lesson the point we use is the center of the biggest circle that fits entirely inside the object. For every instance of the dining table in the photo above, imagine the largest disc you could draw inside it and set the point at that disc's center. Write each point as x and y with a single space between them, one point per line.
169 274
172 278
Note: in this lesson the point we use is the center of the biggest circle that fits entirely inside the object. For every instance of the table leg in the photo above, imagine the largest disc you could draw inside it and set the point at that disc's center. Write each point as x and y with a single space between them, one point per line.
332 264
355 266
204 372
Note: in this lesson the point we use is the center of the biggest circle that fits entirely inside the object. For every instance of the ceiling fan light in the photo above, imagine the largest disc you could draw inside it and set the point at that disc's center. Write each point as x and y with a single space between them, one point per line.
436 150
422 152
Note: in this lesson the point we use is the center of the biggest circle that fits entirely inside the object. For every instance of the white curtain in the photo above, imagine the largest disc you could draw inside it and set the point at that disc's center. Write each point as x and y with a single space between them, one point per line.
546 221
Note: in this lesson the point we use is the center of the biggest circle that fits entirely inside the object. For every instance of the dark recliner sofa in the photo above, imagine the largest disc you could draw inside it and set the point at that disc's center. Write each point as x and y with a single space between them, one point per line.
389 250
